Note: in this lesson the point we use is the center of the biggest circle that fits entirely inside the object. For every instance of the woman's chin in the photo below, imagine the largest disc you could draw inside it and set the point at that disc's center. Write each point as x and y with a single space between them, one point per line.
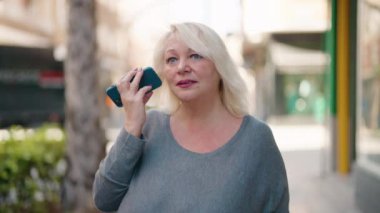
186 97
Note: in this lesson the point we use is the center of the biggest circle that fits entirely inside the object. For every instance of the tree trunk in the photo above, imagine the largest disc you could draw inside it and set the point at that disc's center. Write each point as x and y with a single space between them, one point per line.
85 134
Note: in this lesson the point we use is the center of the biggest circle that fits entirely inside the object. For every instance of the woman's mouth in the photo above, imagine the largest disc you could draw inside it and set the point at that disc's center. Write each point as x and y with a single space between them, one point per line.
186 83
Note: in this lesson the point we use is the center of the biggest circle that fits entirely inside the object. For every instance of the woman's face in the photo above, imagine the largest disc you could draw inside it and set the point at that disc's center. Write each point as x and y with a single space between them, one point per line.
190 76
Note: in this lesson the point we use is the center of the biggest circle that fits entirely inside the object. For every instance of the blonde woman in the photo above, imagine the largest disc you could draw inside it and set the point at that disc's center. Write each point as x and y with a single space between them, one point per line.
201 152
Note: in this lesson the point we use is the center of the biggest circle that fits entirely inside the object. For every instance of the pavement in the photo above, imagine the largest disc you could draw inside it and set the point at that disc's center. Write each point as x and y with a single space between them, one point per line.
313 187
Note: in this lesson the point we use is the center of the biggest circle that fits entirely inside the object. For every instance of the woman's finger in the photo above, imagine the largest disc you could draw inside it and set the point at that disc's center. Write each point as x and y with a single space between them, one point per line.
141 93
124 82
147 96
136 79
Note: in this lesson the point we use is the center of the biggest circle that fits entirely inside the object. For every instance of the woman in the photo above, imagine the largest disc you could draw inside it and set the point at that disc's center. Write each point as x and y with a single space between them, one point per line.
203 152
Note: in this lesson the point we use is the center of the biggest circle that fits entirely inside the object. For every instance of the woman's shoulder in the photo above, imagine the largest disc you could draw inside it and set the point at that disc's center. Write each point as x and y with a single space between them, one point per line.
155 118
255 125
156 121
262 141
258 134
155 114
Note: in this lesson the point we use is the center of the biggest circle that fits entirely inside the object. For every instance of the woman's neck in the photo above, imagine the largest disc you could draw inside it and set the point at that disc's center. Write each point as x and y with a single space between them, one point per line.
206 112
203 128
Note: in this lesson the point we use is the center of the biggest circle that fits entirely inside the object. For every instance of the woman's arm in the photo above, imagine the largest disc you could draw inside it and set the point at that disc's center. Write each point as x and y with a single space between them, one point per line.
283 201
279 198
115 172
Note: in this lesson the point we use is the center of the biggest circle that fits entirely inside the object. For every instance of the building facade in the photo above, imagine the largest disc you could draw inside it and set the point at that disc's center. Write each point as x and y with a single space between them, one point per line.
367 168
33 38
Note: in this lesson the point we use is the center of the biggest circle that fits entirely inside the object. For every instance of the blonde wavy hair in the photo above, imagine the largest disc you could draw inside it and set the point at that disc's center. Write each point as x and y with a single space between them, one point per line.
205 41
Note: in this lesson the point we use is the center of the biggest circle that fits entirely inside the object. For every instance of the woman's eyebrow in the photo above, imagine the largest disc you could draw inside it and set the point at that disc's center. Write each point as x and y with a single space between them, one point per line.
173 50
170 50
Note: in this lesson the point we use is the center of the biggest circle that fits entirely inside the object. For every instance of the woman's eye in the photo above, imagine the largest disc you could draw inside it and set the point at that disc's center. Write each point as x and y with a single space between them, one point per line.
171 60
196 56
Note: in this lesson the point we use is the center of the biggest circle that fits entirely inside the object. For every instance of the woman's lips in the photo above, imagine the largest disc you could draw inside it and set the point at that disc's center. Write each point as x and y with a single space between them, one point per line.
186 83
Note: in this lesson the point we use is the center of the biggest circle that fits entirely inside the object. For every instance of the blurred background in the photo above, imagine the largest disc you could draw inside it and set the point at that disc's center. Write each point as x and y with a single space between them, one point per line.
312 68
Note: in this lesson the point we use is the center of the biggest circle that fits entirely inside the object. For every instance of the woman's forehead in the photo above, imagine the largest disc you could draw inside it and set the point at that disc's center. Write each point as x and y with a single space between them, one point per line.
174 43
174 38
177 41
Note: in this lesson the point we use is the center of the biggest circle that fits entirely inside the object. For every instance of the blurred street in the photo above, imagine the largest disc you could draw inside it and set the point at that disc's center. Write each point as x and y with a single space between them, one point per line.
306 64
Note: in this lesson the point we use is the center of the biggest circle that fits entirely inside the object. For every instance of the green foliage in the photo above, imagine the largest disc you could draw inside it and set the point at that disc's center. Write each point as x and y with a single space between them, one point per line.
31 169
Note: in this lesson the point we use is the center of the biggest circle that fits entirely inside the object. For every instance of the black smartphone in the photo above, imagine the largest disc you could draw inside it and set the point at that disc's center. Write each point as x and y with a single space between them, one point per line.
149 77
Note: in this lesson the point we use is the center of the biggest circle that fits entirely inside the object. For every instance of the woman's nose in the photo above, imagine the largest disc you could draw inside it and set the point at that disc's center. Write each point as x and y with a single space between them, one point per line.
183 66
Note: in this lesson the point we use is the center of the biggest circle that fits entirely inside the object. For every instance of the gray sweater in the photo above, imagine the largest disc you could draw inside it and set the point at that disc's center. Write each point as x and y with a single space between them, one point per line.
155 174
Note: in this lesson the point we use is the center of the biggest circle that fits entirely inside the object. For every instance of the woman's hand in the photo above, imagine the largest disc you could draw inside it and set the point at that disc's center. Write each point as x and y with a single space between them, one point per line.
134 100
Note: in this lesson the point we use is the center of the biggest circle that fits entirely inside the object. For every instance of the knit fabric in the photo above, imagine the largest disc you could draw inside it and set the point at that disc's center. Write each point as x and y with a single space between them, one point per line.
155 174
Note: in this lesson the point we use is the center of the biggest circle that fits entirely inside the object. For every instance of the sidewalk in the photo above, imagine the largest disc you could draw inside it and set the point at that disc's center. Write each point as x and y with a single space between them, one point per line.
313 188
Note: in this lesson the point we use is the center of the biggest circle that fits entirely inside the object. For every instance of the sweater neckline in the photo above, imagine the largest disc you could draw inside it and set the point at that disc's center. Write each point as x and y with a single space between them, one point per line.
225 146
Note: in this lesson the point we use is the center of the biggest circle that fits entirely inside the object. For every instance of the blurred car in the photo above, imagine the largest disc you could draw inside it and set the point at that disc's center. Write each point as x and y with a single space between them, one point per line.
31 86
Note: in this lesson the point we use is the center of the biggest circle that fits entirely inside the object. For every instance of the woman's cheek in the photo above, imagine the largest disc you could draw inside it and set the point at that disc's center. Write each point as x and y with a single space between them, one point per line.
169 77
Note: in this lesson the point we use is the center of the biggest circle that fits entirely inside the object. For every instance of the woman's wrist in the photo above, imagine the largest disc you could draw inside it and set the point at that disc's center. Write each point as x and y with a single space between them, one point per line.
133 131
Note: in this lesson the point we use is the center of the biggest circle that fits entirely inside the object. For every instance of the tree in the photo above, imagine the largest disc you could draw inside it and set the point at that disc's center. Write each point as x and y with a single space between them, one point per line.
85 134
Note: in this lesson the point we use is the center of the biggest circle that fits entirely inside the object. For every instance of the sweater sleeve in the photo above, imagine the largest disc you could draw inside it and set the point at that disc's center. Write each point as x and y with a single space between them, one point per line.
274 173
115 171
283 202
279 199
